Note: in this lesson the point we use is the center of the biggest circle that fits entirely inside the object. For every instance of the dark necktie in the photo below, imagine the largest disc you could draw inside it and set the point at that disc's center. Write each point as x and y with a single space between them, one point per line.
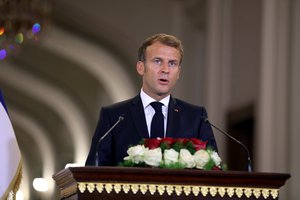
157 123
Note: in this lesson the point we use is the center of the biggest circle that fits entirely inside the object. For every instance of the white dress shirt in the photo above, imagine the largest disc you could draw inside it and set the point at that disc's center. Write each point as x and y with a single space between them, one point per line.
149 110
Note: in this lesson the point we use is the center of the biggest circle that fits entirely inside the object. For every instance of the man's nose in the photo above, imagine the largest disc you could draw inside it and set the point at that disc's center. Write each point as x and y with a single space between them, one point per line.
165 68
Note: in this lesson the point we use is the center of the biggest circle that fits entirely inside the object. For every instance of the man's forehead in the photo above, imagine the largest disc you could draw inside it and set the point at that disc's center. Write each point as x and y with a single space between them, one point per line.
160 50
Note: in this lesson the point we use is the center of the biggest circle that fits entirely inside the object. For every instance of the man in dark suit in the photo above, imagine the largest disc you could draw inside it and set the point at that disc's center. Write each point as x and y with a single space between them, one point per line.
159 65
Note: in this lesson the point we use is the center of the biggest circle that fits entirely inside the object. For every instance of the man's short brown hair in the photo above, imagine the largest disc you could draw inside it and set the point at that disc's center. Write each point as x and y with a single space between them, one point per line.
165 39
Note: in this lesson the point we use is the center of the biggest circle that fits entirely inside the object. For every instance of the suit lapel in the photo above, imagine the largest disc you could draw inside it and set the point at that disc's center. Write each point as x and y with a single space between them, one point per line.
173 118
138 115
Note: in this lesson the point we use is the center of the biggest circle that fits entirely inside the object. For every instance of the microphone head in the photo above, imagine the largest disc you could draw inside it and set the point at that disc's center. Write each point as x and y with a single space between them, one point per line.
122 117
205 119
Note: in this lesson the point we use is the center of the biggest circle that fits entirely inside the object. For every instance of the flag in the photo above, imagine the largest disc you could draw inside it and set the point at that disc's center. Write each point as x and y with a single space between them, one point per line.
10 156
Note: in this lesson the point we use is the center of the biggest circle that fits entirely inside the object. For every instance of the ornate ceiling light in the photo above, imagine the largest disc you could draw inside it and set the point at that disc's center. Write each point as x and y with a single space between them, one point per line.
21 20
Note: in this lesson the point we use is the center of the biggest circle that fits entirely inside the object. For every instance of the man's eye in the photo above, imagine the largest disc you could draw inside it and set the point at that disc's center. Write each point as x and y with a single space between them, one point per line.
157 61
173 64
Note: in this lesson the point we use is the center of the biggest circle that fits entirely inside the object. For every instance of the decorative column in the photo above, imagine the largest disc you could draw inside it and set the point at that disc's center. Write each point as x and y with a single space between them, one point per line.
293 129
217 66
271 135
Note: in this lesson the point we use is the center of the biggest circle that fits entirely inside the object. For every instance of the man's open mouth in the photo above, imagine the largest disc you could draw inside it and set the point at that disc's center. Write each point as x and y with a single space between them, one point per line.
162 80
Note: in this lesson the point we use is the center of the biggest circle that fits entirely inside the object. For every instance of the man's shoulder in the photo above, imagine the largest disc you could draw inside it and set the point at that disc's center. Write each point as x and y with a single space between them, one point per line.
183 104
122 104
188 109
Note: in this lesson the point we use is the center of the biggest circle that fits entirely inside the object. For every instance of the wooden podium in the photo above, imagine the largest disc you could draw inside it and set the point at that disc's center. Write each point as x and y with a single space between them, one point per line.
152 183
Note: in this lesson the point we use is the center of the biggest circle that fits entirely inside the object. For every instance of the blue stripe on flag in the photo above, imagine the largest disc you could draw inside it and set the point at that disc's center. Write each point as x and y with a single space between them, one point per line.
2 101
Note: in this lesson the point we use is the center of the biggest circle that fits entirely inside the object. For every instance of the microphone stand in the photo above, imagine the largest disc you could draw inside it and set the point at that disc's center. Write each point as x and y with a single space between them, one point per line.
121 118
249 163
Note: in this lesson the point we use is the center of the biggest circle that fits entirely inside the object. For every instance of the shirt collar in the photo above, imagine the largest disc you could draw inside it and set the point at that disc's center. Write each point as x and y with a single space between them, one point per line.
146 99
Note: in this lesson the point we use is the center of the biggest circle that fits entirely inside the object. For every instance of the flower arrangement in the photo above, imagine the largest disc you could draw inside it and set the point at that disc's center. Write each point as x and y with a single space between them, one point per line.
173 153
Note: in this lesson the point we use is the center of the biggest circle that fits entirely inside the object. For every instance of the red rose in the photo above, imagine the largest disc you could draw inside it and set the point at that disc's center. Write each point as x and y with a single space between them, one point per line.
198 144
168 140
166 143
182 140
152 143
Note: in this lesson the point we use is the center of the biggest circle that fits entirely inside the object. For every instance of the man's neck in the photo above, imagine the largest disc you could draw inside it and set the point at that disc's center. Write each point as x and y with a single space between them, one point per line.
155 97
146 99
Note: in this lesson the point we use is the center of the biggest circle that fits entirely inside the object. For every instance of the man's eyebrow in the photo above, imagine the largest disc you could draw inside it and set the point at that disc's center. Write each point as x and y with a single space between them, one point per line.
160 58
173 60
157 58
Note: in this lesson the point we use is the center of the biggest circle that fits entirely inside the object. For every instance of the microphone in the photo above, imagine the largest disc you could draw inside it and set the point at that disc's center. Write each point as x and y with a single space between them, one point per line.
121 118
249 165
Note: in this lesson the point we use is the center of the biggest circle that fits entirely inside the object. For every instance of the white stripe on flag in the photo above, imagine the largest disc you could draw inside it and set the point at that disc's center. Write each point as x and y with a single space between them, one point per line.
10 155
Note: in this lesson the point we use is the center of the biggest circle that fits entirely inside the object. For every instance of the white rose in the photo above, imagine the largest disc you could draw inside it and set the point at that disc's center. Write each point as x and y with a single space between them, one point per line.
201 158
216 158
170 156
136 154
186 158
153 157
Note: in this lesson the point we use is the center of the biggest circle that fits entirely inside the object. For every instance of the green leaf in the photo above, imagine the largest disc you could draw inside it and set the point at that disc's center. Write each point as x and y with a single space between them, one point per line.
177 146
209 165
190 147
176 165
164 146
127 163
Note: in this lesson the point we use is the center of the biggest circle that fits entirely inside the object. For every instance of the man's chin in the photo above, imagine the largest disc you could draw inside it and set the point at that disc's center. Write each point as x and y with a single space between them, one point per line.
163 93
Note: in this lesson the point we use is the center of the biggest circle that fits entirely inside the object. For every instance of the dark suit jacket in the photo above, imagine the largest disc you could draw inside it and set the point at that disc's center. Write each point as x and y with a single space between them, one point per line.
184 121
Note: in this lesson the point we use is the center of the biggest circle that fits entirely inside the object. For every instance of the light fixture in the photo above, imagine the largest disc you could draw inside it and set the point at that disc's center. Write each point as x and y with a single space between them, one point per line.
73 165
40 184
21 20
19 195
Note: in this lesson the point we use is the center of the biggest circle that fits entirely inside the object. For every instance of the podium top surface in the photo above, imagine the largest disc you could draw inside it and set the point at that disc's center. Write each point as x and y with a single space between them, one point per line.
173 176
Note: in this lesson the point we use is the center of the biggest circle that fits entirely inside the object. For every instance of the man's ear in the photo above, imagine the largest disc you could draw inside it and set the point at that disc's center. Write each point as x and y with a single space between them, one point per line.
140 68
